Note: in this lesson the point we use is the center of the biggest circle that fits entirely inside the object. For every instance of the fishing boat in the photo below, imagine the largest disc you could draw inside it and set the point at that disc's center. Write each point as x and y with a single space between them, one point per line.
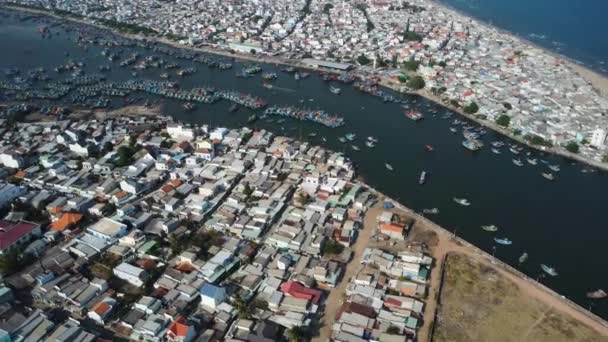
233 108
267 85
313 134
489 228
422 178
514 150
413 115
388 166
355 147
269 75
462 201
189 106
548 175
498 144
532 161
431 211
335 90
518 162
495 151
453 129
503 241
372 139
554 168
350 136
429 148
252 118
523 258
342 139
472 144
549 270
597 294
370 144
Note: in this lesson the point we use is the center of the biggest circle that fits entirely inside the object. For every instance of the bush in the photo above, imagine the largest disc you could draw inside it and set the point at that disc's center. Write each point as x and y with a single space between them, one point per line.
416 82
455 103
507 105
503 120
471 108
363 60
411 65
572 147
402 78
331 247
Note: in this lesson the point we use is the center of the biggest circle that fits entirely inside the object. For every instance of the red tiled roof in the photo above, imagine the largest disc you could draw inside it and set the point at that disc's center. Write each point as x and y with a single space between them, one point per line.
12 231
65 221
101 308
178 328
298 290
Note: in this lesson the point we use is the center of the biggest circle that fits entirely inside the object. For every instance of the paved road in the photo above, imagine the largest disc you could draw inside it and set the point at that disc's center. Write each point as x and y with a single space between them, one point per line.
336 295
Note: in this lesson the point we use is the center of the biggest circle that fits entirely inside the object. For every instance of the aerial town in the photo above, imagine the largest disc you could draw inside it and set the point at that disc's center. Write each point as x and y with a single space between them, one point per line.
529 91
145 229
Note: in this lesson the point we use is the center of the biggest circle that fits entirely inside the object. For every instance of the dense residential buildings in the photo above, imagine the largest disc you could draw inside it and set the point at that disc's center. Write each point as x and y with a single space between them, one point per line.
462 60
247 244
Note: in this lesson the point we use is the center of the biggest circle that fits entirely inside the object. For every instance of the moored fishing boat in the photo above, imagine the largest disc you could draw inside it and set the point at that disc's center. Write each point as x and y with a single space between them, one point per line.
503 241
548 175
518 162
554 168
431 211
335 90
532 161
523 258
413 115
462 201
422 178
472 144
597 294
495 151
489 228
388 166
549 270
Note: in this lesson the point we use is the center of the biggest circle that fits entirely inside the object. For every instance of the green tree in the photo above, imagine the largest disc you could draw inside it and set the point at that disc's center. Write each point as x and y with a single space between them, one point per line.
331 247
503 120
295 334
411 65
242 309
416 82
363 60
455 103
572 147
471 108
402 78
125 155
507 105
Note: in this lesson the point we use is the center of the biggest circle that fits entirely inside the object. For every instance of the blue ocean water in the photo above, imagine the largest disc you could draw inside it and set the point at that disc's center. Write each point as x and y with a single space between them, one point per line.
574 28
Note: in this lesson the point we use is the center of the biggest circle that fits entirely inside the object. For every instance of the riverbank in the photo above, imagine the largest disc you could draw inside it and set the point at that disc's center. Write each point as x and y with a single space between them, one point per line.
449 243
596 79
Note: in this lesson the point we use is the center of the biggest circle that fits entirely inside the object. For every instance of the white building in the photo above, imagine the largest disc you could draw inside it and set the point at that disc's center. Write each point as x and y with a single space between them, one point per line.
108 229
599 137
179 132
11 160
132 274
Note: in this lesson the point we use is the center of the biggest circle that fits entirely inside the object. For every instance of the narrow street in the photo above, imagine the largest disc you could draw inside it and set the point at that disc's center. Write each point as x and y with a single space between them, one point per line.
336 295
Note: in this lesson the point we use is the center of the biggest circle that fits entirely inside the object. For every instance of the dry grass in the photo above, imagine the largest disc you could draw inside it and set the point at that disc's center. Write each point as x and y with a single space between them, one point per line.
477 304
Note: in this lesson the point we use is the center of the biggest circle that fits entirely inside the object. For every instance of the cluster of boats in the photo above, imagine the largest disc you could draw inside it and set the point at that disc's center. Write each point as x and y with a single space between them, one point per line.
315 115
372 88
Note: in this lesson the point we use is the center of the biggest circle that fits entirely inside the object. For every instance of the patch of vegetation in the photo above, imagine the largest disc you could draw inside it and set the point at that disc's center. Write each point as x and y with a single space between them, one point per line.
572 147
416 83
126 27
503 120
331 247
411 65
536 140
363 60
471 108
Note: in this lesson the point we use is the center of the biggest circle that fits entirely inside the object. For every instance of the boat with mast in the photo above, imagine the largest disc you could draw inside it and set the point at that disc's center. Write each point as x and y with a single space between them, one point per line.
462 201
489 228
503 241
549 270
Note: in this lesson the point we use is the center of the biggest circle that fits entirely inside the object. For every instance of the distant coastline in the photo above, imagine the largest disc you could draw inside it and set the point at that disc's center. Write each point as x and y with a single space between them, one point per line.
597 80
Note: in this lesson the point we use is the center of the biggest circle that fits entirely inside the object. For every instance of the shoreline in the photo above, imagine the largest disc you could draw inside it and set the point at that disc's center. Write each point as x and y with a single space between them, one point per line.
539 290
597 80
384 81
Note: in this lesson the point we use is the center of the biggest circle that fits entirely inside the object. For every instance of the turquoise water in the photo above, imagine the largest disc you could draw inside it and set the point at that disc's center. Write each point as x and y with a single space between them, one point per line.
575 28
